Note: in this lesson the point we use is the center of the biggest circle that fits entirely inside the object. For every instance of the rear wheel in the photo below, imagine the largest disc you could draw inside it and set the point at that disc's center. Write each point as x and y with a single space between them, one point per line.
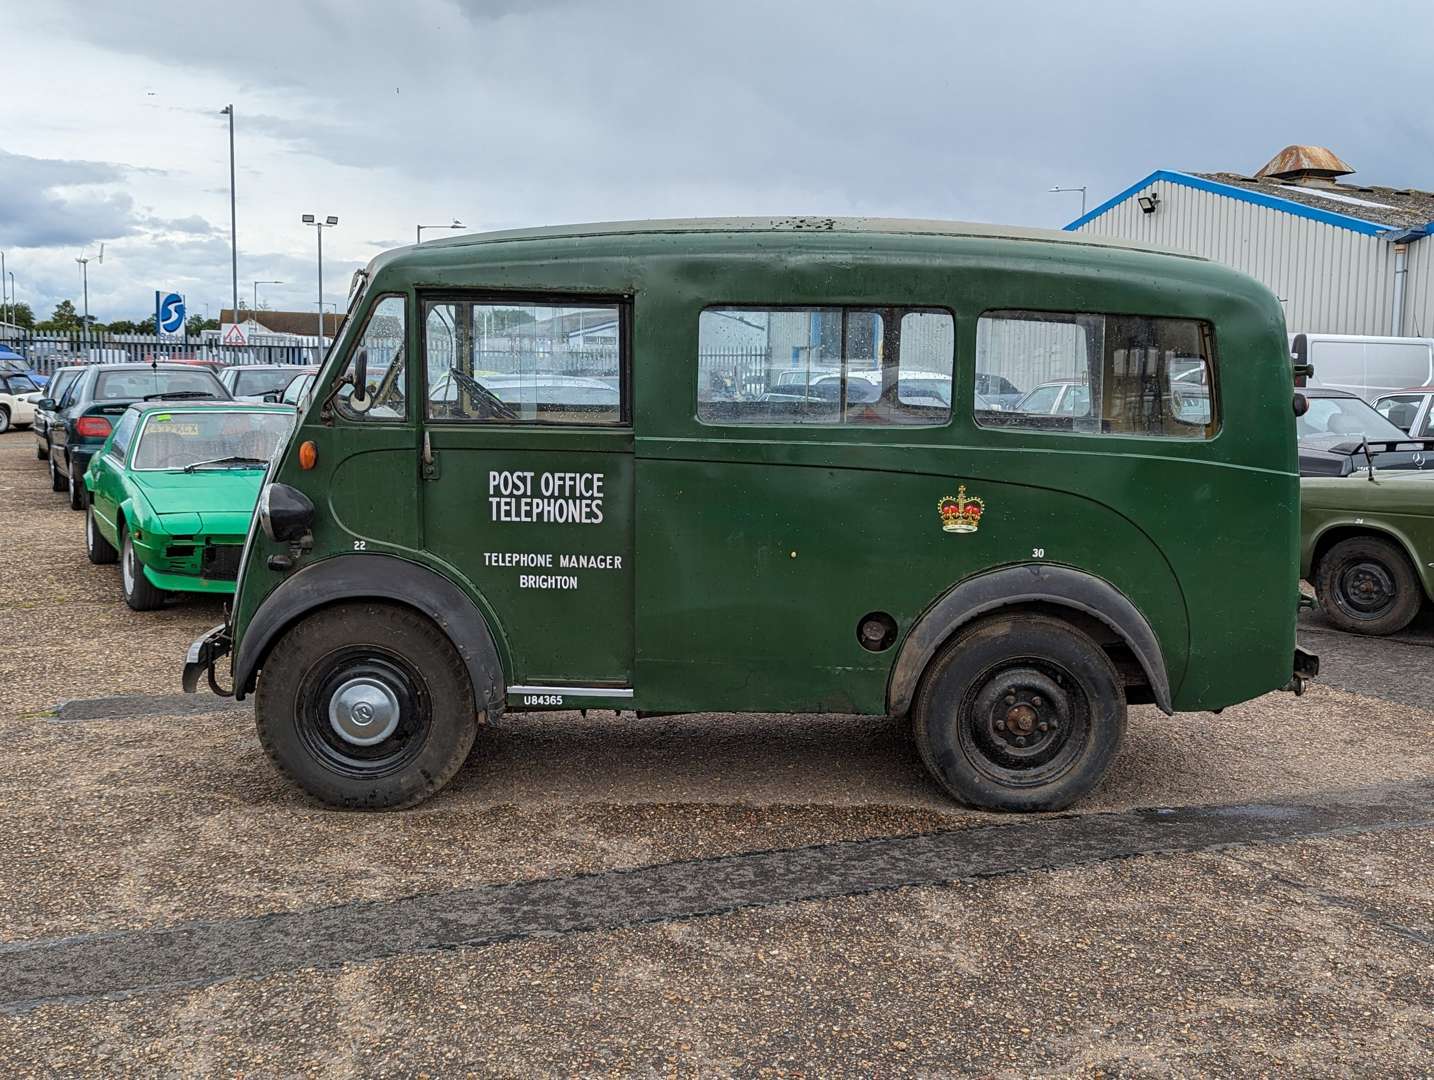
139 593
100 550
1366 585
1020 712
78 493
58 482
366 706
4 419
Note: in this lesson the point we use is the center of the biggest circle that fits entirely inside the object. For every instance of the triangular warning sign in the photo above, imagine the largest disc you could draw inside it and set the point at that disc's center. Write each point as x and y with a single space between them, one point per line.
234 335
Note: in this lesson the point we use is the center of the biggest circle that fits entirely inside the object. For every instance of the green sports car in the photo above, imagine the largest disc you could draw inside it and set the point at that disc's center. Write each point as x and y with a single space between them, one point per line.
1368 546
172 492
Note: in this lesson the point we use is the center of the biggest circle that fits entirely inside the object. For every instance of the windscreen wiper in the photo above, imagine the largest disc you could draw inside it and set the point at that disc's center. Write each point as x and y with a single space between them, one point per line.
235 459
178 394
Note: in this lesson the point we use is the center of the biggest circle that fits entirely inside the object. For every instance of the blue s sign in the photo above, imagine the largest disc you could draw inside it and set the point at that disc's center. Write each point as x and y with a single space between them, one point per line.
171 313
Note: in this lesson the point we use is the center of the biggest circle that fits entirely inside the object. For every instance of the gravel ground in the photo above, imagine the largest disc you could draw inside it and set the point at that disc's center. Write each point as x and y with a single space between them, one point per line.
1307 957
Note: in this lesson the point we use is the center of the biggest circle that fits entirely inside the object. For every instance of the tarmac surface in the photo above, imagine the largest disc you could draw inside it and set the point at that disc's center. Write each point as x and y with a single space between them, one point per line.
696 895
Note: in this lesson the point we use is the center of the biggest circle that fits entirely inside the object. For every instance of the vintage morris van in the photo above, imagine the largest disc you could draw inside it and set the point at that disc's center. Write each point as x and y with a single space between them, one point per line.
741 465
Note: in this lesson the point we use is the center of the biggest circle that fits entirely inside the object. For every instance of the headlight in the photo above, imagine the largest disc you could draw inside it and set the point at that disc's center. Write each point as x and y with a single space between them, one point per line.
285 512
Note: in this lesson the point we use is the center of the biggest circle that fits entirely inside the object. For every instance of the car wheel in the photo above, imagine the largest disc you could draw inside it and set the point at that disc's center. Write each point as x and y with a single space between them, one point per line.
366 706
57 478
42 453
4 419
77 490
100 550
139 593
1020 712
1365 585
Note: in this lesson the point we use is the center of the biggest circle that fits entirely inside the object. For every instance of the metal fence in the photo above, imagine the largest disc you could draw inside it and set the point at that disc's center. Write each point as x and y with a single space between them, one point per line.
45 352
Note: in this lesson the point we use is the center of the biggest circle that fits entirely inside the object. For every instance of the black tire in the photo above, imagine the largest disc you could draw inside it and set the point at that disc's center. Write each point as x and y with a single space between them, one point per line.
100 550
417 685
1365 585
139 592
992 687
58 480
42 453
79 497
4 419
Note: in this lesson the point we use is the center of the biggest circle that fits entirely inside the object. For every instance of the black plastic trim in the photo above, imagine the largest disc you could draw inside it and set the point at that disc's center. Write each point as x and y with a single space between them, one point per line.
1030 583
376 577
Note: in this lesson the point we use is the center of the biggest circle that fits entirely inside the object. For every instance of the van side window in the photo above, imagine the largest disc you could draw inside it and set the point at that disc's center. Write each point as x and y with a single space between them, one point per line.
519 363
377 357
1098 374
864 366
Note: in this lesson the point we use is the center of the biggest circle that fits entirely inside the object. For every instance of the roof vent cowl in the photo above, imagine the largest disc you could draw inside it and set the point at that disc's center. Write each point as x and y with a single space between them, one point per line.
1309 166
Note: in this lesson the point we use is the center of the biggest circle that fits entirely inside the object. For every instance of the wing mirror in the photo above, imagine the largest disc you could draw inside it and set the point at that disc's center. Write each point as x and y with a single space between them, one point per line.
45 404
359 401
1300 354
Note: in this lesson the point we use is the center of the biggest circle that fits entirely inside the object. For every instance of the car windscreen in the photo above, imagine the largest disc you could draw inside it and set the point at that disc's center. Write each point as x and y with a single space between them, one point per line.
227 438
61 382
141 383
295 391
258 383
23 384
1344 416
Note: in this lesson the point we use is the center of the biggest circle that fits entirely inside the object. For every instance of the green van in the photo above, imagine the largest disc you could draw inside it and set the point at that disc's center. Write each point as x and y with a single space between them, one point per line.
742 465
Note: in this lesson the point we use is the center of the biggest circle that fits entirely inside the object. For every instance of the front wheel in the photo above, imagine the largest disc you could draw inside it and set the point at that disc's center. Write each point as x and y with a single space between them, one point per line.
42 452
4 419
57 478
366 706
1020 712
1366 585
139 593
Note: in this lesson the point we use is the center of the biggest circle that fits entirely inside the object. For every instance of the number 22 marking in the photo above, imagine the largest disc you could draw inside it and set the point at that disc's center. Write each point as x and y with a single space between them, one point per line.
360 545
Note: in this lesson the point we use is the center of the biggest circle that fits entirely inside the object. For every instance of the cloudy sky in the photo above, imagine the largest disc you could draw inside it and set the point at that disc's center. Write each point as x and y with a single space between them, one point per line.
518 112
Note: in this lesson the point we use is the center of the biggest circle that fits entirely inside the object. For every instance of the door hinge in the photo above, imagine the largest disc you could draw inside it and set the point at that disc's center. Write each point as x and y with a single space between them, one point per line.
428 468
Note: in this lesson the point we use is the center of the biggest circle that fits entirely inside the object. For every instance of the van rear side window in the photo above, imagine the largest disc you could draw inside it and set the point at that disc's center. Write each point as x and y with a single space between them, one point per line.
830 365
1097 374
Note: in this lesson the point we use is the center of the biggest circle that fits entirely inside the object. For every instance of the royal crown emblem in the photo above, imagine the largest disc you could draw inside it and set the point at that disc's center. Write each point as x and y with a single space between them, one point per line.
961 513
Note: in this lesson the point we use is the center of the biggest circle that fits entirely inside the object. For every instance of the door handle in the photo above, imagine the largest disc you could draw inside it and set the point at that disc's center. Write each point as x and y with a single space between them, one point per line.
428 467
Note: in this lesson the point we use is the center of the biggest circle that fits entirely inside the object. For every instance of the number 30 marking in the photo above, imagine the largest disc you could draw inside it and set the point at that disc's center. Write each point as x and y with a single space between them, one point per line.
360 545
1038 553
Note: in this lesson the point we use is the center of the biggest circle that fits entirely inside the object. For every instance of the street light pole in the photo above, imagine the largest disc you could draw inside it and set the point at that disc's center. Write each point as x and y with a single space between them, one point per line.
319 227
228 110
85 278
254 311
1081 189
418 233
4 303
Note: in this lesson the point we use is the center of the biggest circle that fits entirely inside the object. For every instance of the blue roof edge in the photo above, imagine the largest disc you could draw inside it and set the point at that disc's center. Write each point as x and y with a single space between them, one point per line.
1270 202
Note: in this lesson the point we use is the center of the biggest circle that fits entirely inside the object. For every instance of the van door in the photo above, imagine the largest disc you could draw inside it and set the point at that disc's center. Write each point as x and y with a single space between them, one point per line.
528 482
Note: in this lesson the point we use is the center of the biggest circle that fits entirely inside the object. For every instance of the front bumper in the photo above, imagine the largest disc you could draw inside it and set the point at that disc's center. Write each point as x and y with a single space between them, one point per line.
204 652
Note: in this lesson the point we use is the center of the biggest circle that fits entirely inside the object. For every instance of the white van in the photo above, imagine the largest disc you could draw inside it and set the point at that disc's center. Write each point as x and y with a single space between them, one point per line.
1367 365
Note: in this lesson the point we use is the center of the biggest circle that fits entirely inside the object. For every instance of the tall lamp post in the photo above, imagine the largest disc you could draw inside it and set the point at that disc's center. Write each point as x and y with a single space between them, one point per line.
4 303
84 262
319 227
228 111
419 232
253 312
1081 189
14 299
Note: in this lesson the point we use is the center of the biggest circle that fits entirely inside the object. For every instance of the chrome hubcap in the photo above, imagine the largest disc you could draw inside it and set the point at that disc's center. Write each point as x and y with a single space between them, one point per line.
363 711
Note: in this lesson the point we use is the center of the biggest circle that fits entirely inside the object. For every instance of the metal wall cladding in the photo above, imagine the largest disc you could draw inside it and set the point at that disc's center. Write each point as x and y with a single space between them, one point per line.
1328 279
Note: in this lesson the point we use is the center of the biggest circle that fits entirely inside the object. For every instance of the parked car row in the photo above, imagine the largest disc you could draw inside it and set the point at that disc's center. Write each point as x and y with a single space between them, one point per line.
166 463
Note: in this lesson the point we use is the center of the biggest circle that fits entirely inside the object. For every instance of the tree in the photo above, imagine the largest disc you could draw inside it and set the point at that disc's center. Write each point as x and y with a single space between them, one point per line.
125 326
197 324
22 316
65 320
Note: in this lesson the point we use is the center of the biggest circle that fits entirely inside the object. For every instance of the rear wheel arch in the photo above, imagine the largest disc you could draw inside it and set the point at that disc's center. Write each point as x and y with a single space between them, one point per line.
386 578
1090 604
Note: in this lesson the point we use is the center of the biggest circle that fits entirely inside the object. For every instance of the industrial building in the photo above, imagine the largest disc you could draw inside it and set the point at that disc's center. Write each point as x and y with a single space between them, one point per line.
1343 258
